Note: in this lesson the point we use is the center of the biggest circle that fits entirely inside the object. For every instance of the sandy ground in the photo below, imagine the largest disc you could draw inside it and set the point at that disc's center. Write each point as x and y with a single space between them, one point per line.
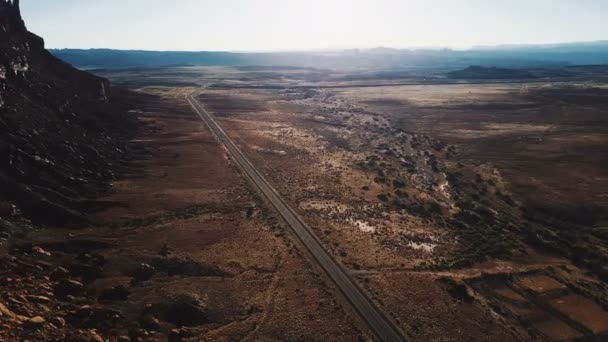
310 148
185 203
379 174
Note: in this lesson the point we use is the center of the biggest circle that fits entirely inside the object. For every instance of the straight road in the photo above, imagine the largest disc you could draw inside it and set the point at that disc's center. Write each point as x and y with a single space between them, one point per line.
381 325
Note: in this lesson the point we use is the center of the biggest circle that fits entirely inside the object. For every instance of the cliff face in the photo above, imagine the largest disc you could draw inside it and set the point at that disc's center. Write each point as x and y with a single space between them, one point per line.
59 131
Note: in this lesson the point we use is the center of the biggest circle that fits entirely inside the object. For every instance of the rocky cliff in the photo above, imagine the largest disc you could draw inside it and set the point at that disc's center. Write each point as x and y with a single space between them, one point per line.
60 133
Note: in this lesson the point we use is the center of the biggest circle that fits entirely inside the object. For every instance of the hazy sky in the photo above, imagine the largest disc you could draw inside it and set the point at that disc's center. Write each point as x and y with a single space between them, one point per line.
264 25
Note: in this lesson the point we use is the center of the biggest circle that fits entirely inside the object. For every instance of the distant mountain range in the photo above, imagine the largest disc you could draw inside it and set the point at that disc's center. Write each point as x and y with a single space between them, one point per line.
600 45
504 56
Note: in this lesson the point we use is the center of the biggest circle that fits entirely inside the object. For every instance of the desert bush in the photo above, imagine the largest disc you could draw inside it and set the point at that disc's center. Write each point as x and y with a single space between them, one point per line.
383 197
456 289
182 310
398 183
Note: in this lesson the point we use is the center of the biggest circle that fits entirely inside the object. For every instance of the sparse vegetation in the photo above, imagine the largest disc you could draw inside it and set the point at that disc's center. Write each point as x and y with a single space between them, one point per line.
401 184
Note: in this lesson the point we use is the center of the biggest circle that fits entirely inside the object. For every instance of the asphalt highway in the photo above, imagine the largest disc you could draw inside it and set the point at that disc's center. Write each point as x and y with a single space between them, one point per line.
378 322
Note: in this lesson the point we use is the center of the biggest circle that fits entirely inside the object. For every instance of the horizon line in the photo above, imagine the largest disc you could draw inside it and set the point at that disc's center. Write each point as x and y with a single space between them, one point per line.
350 49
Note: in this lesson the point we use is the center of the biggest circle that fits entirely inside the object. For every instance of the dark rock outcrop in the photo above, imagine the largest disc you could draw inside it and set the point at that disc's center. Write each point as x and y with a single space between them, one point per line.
60 134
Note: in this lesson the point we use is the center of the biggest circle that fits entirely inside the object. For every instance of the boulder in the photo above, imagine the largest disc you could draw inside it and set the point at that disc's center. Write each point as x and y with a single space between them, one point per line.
34 323
68 287
58 322
38 250
38 299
